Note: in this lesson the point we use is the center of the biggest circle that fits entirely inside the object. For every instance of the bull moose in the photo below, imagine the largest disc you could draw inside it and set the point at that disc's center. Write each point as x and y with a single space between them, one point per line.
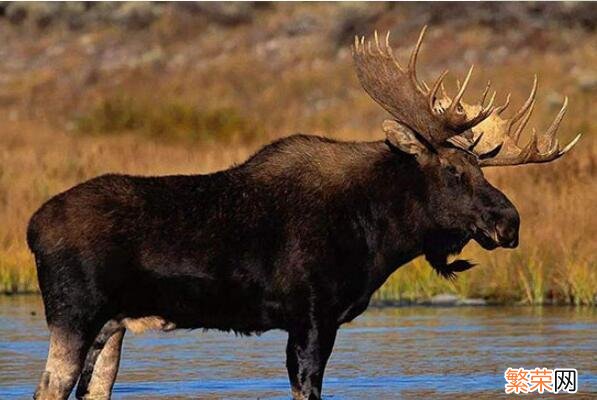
296 238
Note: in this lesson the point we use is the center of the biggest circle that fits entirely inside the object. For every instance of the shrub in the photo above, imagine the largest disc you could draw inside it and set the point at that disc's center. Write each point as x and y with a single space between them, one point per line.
167 120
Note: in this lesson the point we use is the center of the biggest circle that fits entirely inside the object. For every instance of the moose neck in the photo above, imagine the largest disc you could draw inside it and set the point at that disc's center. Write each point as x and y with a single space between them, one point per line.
378 195
393 212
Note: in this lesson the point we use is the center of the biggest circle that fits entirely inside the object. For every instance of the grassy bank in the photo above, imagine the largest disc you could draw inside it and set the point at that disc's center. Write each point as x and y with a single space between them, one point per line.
555 261
237 88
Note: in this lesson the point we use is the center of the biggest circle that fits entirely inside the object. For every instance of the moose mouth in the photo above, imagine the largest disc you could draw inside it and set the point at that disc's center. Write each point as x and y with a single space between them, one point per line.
452 243
488 240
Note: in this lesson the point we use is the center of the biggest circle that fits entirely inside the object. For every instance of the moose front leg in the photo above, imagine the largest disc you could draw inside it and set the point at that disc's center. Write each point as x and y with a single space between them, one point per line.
307 353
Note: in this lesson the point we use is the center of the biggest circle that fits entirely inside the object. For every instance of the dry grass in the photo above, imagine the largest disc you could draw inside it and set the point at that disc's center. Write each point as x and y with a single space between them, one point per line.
201 118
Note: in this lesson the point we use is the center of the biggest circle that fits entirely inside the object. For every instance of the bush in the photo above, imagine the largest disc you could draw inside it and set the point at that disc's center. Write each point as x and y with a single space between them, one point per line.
167 120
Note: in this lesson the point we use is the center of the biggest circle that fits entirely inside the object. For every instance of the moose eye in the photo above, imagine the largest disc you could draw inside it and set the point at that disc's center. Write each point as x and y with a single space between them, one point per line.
452 170
455 175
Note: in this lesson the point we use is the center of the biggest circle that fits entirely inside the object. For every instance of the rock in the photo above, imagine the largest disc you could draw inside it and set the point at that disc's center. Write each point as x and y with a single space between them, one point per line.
101 11
472 302
302 25
554 100
353 19
74 13
16 12
136 15
13 115
224 13
573 13
44 14
153 56
498 55
444 300
587 82
392 303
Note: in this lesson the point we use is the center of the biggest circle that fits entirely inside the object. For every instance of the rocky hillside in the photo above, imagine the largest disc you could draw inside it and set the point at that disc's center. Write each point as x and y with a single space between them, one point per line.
103 66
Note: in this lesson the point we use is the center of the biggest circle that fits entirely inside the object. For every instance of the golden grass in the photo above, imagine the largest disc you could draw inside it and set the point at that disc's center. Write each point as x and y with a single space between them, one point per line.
311 89
555 261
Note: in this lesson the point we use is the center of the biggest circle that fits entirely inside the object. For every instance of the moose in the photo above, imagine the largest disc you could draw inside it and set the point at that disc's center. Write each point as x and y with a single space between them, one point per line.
297 238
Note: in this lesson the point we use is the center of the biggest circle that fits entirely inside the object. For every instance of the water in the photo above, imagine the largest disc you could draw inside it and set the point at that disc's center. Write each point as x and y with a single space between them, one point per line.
409 353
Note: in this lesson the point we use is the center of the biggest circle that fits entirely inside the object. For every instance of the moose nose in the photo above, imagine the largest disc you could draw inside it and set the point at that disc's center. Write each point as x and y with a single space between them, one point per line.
507 231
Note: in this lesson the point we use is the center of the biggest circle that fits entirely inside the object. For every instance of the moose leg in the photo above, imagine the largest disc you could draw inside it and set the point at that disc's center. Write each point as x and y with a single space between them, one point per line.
65 359
101 364
307 353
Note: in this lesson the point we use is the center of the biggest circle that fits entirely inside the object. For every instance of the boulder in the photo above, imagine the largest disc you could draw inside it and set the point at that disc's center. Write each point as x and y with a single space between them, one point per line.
136 15
223 13
445 299
352 19
587 81
472 302
301 25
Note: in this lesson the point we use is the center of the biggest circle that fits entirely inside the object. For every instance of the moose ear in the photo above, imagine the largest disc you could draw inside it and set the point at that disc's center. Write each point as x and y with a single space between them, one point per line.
403 138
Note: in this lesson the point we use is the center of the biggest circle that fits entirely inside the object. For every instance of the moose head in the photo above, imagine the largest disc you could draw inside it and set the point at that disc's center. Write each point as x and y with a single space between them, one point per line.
451 141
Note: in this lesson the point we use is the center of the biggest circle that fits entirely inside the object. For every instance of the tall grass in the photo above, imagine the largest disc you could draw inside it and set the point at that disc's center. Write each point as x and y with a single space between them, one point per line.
205 117
555 262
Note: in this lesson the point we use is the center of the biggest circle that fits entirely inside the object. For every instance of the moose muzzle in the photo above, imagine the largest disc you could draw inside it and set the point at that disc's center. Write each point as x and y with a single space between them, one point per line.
498 229
506 229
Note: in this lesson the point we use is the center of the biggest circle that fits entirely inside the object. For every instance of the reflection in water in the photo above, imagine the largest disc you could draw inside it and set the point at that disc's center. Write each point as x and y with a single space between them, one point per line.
410 353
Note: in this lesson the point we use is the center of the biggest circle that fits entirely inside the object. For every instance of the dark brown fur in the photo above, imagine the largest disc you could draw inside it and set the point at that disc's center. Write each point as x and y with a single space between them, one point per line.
298 238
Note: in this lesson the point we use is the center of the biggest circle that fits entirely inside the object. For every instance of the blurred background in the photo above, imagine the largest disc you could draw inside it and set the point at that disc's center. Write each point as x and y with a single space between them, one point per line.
162 88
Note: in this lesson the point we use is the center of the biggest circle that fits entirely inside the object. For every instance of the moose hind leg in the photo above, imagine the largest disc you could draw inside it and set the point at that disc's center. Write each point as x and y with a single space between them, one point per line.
307 353
101 364
64 363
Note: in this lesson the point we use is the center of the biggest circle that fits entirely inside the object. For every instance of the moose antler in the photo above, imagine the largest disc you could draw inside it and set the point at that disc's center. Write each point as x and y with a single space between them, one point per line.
497 131
410 101
441 119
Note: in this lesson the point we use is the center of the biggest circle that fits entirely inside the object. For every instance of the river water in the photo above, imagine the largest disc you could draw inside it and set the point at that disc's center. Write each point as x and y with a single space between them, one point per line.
386 353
